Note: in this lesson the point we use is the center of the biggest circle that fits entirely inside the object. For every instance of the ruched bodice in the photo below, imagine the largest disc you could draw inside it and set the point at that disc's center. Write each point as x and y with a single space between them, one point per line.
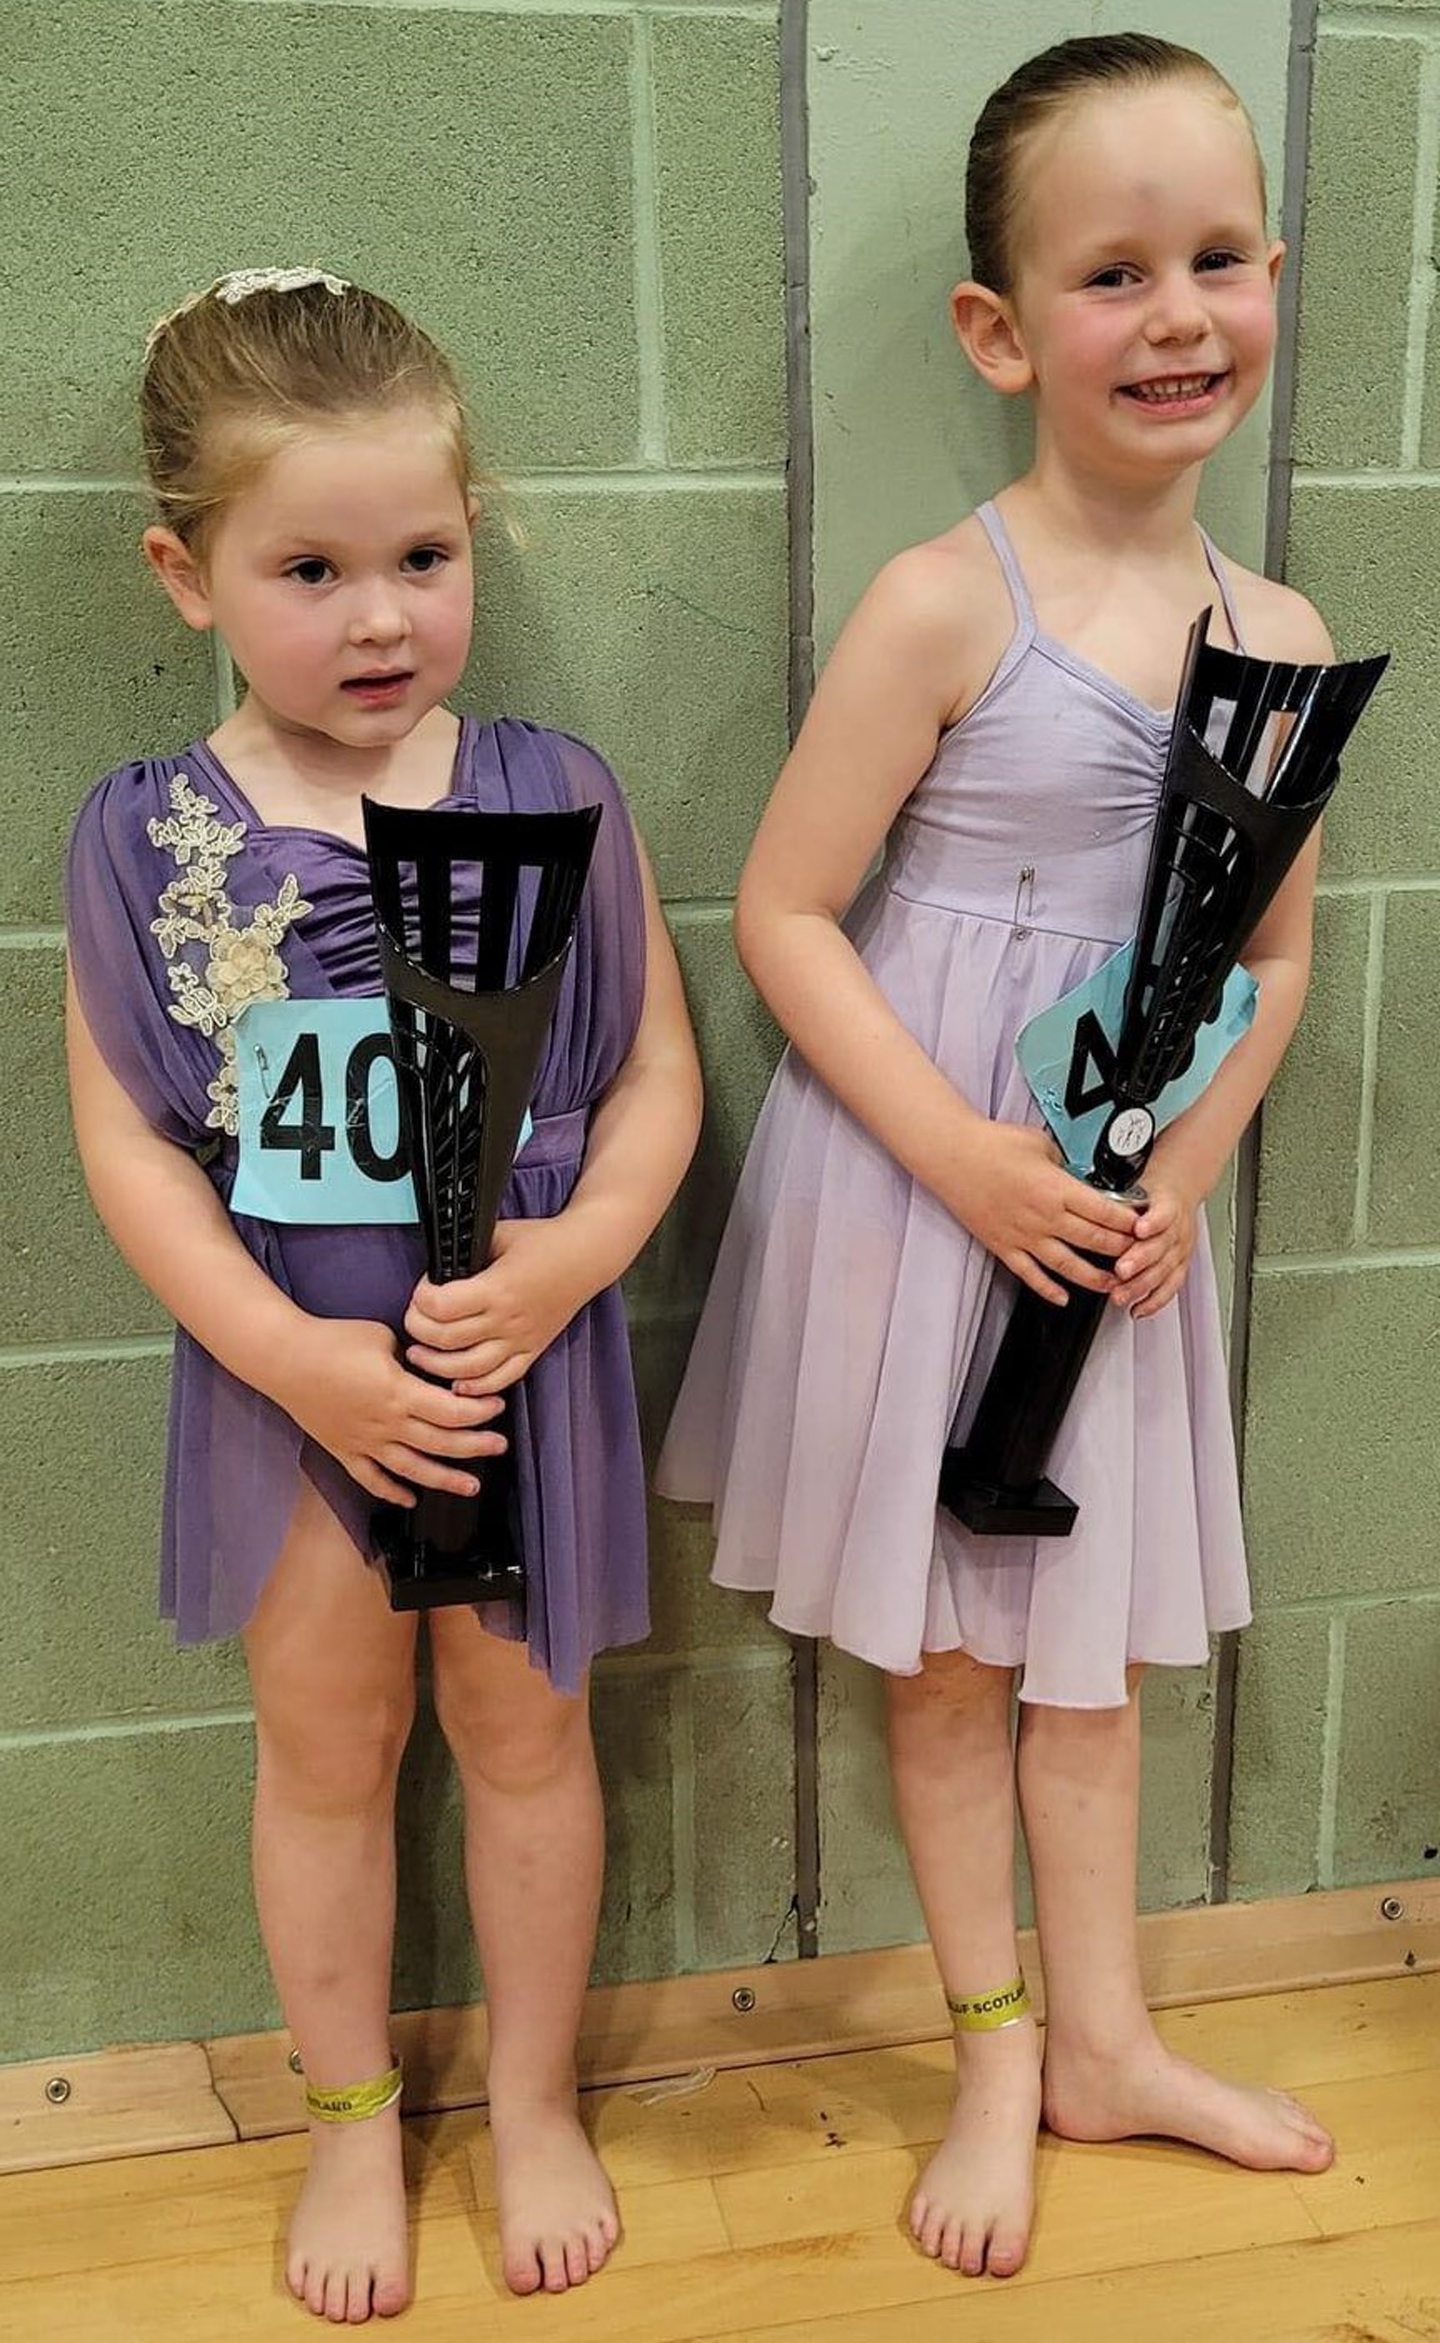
1038 807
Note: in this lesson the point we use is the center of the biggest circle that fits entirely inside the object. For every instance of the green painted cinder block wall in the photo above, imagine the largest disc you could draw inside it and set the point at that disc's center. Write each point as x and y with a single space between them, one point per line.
1337 1776
584 204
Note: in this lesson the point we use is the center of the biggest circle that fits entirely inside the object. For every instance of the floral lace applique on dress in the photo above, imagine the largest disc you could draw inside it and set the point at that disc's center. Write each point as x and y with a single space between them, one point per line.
238 959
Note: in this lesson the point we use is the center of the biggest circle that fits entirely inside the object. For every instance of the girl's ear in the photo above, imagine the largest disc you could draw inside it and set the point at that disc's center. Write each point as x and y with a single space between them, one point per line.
986 330
1275 261
181 575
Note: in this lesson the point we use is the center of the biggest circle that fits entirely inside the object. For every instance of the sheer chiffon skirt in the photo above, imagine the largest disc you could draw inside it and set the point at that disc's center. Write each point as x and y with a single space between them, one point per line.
850 1318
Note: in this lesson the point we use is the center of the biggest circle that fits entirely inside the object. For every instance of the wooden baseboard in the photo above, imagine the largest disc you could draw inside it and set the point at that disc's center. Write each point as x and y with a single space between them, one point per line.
139 2100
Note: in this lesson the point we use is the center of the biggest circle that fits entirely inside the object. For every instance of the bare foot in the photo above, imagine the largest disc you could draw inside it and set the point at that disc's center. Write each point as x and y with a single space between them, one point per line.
974 2202
558 2220
1154 2093
348 2254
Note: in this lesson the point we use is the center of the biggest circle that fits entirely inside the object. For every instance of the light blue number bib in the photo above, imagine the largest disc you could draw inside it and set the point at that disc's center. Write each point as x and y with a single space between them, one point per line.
1067 1054
320 1139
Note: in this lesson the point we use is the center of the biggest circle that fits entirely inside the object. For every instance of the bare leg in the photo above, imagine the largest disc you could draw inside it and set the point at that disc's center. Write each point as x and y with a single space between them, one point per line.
1108 2076
951 1760
534 1853
332 1672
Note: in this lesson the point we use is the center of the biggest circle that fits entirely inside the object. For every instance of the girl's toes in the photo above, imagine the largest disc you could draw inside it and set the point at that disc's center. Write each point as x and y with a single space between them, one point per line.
972 2254
951 2245
577 2261
1006 2254
1316 2144
390 2297
523 2274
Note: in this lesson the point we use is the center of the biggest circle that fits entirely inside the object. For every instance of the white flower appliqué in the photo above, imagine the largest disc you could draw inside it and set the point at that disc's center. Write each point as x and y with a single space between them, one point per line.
237 960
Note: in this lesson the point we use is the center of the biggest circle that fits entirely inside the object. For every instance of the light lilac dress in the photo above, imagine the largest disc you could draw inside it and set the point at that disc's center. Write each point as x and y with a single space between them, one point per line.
848 1307
235 1459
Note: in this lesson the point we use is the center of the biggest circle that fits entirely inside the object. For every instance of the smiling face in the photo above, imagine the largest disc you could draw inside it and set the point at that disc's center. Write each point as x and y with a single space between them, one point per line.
341 578
1143 309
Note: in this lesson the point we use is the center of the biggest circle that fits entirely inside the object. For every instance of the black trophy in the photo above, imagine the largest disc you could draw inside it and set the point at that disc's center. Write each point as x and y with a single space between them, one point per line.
1253 759
472 984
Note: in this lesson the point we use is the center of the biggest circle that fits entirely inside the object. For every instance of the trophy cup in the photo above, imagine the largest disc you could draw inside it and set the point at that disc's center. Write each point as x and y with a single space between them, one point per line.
471 991
1253 759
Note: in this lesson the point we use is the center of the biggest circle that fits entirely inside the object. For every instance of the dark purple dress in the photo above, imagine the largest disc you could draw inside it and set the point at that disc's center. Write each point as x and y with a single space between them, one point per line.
170 847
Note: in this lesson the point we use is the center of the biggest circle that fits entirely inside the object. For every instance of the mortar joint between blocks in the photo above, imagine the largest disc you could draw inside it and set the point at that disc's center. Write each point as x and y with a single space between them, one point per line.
1379 23
682 1817
1422 262
1330 1751
1369 1060
645 236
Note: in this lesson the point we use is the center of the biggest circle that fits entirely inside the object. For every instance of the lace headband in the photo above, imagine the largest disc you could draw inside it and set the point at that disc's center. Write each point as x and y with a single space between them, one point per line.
240 284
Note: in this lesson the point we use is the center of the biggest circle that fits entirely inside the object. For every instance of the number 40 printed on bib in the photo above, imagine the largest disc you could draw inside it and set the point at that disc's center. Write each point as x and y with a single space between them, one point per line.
321 1142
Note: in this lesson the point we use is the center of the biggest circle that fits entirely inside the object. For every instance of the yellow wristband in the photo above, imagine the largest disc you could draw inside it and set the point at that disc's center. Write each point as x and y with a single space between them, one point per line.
986 2013
357 2102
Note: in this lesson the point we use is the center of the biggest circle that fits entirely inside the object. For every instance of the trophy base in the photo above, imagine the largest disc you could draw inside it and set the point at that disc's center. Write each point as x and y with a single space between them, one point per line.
434 1594
1036 1509
425 1573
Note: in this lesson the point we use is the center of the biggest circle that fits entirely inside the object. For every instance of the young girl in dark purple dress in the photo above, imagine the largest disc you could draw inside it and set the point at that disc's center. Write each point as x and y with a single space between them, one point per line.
307 448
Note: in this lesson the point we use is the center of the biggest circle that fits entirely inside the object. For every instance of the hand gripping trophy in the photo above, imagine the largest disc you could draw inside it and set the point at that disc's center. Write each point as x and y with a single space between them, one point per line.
1253 759
472 987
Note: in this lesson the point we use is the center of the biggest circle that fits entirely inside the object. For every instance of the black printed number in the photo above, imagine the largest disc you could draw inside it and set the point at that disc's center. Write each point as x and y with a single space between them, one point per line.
363 1057
1084 1090
1090 1081
306 1132
309 1135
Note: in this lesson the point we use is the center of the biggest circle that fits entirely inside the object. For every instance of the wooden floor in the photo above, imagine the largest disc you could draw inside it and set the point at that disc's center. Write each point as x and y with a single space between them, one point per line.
766 2203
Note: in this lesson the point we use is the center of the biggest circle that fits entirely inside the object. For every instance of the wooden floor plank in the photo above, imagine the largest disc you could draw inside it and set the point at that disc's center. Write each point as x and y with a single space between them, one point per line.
1388 2169
1100 2208
765 2206
121 2102
157 2209
1366 2289
1324 2034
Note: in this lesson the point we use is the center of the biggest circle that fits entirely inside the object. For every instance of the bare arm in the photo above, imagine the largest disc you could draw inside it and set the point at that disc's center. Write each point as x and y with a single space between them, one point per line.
1198 1144
339 1379
643 1133
893 683
870 734
167 1221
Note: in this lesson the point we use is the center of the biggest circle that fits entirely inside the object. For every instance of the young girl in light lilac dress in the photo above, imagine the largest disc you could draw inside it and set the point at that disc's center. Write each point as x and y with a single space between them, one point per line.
996 714
307 448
